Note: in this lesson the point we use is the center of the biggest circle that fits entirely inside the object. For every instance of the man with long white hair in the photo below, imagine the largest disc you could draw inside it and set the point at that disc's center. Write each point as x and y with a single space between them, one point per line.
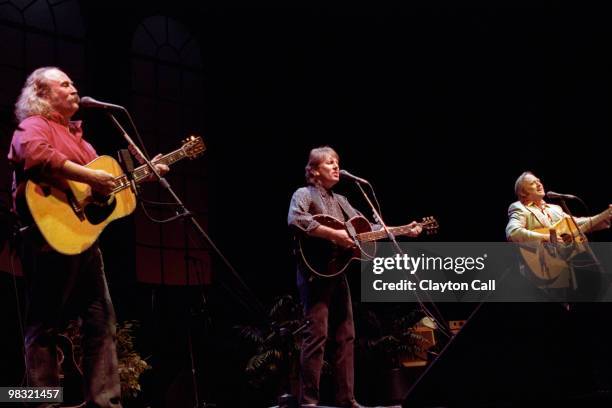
47 146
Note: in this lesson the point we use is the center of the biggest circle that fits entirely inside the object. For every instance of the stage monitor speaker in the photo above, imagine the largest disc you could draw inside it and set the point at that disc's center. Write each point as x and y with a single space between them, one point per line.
506 353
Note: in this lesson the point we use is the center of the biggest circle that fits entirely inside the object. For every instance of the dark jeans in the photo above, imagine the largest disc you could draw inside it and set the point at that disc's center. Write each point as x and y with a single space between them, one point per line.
327 304
58 288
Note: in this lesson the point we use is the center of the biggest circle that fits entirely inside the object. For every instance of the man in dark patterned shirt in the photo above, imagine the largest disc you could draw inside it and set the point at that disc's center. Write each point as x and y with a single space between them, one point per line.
327 301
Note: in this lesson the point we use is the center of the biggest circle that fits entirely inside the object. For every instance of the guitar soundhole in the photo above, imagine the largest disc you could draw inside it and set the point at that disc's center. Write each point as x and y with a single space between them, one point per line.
97 212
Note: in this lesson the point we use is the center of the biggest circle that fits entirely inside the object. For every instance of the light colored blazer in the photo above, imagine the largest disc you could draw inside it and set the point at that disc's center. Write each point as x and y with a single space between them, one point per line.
524 218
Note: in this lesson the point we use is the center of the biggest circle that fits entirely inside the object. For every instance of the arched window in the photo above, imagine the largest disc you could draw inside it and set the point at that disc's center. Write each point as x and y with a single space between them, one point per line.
167 100
38 33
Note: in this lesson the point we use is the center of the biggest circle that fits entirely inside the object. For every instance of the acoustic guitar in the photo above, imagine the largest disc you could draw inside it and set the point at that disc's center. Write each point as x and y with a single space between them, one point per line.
72 217
326 259
547 260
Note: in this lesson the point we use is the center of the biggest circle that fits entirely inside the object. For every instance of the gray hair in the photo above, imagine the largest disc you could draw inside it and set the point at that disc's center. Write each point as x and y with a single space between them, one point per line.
518 185
31 101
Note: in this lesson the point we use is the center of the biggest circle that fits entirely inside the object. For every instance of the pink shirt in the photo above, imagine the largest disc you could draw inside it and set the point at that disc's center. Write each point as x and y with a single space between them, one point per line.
41 146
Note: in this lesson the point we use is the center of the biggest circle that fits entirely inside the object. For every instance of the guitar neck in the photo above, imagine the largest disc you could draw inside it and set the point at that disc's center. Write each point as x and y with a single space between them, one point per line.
594 221
381 234
142 172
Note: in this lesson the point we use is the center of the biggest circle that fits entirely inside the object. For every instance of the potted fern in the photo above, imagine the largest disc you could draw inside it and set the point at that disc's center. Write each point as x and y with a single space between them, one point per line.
274 365
391 342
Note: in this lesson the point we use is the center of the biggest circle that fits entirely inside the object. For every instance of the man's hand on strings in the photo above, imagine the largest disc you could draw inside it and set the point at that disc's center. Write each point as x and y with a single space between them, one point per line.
342 238
160 167
102 182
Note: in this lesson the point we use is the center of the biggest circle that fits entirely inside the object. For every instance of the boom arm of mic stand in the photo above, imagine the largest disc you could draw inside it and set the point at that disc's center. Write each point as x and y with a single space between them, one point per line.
568 212
188 214
379 219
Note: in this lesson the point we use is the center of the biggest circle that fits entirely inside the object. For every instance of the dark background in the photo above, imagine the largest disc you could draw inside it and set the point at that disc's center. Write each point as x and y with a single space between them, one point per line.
441 107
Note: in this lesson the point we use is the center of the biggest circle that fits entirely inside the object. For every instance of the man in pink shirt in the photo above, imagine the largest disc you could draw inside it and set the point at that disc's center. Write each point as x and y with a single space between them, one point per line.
48 146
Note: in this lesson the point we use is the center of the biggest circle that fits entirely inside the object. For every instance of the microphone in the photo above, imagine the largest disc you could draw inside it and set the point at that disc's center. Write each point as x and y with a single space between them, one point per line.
553 195
347 175
89 102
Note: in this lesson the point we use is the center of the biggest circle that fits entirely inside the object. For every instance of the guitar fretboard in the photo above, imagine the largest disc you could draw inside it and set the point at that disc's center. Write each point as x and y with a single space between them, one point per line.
381 234
142 172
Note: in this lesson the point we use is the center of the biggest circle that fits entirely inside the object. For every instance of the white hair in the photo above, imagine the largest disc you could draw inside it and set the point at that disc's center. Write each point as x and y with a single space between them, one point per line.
31 101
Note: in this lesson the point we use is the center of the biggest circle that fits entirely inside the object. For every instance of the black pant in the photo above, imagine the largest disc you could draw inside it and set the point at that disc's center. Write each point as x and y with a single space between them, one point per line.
60 287
327 304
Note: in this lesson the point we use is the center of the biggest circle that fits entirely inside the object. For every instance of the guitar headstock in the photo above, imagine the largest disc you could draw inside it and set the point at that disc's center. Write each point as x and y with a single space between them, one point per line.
193 146
430 225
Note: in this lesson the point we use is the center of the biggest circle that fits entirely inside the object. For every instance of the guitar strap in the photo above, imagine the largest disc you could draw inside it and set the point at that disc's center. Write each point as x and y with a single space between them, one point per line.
351 231
347 210
349 213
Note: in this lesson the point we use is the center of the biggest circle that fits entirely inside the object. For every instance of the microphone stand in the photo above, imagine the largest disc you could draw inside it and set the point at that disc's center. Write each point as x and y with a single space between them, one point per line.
442 324
378 218
584 242
183 212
